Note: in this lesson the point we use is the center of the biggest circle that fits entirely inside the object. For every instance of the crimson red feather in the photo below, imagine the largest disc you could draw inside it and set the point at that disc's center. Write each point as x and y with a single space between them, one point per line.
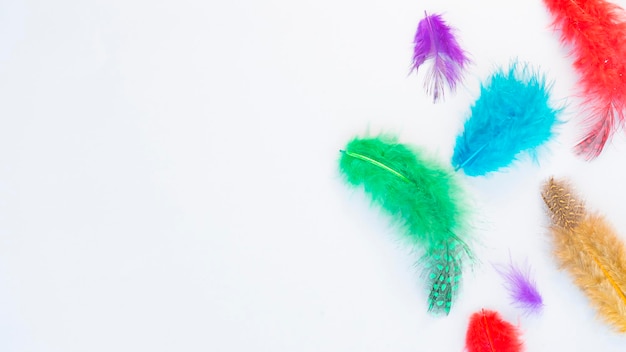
488 332
596 30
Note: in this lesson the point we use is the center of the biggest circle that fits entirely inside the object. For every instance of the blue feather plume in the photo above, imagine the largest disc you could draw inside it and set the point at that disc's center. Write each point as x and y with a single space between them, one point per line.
511 117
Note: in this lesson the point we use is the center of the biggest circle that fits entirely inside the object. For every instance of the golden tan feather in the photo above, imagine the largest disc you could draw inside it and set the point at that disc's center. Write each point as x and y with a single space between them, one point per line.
589 249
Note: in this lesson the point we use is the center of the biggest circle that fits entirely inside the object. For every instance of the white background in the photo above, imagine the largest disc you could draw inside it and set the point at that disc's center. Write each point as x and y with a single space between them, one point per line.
168 177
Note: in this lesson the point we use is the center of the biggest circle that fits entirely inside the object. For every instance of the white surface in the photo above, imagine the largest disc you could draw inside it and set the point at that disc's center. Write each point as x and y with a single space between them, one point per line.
168 177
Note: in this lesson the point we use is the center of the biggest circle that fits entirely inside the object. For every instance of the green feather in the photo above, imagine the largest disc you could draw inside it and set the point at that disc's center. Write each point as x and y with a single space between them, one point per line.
443 264
424 198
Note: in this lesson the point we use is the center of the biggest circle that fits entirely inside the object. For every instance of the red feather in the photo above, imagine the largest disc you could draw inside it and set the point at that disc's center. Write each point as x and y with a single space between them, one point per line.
596 30
487 332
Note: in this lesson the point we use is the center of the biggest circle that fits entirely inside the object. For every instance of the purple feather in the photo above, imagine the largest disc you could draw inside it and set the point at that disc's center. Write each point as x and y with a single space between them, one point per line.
434 40
521 287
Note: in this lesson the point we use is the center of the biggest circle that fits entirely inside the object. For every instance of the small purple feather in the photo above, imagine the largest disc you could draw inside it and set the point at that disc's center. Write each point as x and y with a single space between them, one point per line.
521 287
434 40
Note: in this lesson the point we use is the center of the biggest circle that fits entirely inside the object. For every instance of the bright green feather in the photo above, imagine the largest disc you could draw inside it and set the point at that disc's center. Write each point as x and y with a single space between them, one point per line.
423 197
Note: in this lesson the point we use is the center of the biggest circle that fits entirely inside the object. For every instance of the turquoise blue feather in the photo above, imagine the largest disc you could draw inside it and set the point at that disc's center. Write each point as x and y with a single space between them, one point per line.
511 118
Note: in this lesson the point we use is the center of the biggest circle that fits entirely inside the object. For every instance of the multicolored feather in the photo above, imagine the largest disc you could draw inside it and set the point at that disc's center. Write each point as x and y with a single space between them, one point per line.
591 252
595 31
488 332
424 198
522 288
435 40
512 116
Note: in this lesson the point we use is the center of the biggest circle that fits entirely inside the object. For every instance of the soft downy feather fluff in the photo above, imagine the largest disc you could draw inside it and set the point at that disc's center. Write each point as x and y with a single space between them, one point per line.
511 116
435 40
596 31
591 252
425 200
488 332
522 288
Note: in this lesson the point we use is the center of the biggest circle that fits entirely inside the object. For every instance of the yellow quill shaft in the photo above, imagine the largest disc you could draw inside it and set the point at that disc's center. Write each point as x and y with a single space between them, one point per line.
589 249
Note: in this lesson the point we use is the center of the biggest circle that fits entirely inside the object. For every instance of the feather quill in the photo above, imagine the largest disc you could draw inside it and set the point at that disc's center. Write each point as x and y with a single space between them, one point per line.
591 252
595 31
425 200
522 288
435 40
511 116
488 332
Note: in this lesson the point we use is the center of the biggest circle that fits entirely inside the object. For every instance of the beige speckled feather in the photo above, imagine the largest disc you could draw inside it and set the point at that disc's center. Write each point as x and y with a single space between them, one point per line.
589 249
